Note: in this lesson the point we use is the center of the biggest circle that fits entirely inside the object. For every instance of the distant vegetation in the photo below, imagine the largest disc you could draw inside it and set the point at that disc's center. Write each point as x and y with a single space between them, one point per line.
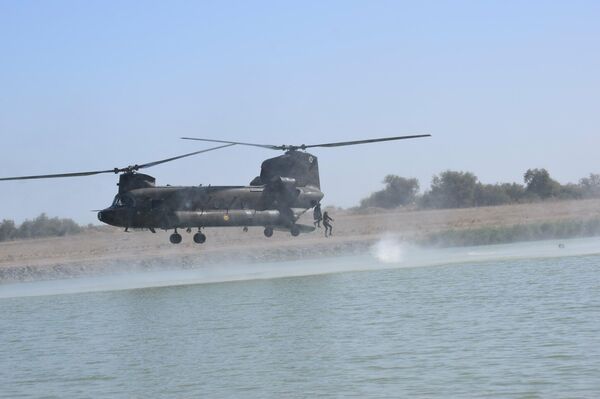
398 191
561 229
452 189
41 226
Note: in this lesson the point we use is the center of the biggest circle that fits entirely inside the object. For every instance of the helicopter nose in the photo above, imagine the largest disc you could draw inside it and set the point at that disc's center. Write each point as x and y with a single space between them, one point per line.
106 216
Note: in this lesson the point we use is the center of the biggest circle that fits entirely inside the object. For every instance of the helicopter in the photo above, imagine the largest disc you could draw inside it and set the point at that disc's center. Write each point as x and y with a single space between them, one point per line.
287 187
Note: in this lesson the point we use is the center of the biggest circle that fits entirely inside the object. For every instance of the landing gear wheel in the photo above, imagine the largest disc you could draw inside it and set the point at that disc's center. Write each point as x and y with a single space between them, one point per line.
295 230
268 231
199 238
175 238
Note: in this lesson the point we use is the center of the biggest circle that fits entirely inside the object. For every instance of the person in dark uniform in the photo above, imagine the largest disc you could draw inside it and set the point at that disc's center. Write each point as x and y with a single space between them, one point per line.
326 220
317 216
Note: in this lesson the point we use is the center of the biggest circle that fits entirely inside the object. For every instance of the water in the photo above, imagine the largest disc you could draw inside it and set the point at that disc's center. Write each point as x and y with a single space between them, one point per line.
503 321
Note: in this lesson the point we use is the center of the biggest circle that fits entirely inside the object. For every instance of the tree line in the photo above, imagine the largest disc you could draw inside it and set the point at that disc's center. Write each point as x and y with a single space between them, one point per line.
452 189
41 226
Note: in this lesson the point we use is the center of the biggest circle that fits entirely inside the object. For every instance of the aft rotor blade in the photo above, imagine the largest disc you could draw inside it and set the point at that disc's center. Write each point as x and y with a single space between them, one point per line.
270 147
76 174
150 164
344 143
303 146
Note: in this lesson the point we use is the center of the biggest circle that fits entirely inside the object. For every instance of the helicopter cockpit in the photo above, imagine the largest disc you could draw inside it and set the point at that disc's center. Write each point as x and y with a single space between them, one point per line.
122 201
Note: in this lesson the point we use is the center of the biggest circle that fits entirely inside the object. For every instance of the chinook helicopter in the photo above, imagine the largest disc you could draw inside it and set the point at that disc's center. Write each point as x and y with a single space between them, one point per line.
287 187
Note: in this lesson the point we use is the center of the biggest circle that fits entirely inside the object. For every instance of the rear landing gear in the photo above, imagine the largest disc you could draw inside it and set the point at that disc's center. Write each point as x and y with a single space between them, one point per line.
175 238
199 238
268 231
295 230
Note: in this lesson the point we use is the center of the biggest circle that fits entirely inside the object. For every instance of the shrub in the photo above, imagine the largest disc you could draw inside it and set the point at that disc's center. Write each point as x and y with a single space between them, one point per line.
41 226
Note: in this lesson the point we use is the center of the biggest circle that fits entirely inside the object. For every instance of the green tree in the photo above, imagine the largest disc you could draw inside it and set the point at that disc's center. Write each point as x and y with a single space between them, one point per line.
8 230
41 226
451 189
491 194
515 191
398 191
570 191
539 182
590 186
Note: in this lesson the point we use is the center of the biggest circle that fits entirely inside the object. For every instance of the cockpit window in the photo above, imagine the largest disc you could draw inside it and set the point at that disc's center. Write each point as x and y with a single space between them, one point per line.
122 201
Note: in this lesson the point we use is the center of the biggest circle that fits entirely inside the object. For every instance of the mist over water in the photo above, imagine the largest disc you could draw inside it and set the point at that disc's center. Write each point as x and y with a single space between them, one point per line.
387 253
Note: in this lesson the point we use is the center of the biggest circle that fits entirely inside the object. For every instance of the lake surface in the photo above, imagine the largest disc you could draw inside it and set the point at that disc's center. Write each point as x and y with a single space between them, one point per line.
518 321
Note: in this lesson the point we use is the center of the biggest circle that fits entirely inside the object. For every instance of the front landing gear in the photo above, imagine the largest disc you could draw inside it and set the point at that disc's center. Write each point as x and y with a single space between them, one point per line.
268 231
175 238
199 237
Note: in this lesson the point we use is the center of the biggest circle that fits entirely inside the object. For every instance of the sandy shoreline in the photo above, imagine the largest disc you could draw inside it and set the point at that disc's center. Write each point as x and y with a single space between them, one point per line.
109 249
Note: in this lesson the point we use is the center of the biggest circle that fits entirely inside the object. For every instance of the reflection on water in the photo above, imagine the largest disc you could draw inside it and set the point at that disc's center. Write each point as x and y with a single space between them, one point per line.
509 327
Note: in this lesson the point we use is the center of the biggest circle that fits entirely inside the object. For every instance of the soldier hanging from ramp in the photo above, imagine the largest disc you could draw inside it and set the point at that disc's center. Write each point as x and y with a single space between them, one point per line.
326 224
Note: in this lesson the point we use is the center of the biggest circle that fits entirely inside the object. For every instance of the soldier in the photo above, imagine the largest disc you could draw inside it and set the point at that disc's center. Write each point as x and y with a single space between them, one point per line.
326 219
317 216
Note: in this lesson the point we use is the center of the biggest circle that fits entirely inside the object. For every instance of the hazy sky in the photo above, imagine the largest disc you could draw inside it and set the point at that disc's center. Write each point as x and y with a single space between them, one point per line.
501 85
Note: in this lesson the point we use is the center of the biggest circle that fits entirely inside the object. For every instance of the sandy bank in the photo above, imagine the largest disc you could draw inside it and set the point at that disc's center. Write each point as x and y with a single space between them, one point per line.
109 249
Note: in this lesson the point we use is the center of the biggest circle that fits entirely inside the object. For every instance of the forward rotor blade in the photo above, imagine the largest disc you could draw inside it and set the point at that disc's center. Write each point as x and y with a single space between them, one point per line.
270 147
114 170
76 174
344 143
150 164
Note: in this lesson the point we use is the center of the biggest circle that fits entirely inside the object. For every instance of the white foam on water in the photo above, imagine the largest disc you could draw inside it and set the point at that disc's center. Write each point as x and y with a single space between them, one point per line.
388 250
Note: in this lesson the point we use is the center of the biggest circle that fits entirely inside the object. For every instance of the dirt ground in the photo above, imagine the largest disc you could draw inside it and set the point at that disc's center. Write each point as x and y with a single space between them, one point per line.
93 250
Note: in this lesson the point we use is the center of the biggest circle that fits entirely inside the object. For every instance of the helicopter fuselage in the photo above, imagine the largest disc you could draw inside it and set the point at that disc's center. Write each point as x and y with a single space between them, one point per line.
169 207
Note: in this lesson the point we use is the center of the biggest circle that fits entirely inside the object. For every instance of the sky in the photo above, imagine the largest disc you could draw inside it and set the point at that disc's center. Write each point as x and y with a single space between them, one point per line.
502 86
